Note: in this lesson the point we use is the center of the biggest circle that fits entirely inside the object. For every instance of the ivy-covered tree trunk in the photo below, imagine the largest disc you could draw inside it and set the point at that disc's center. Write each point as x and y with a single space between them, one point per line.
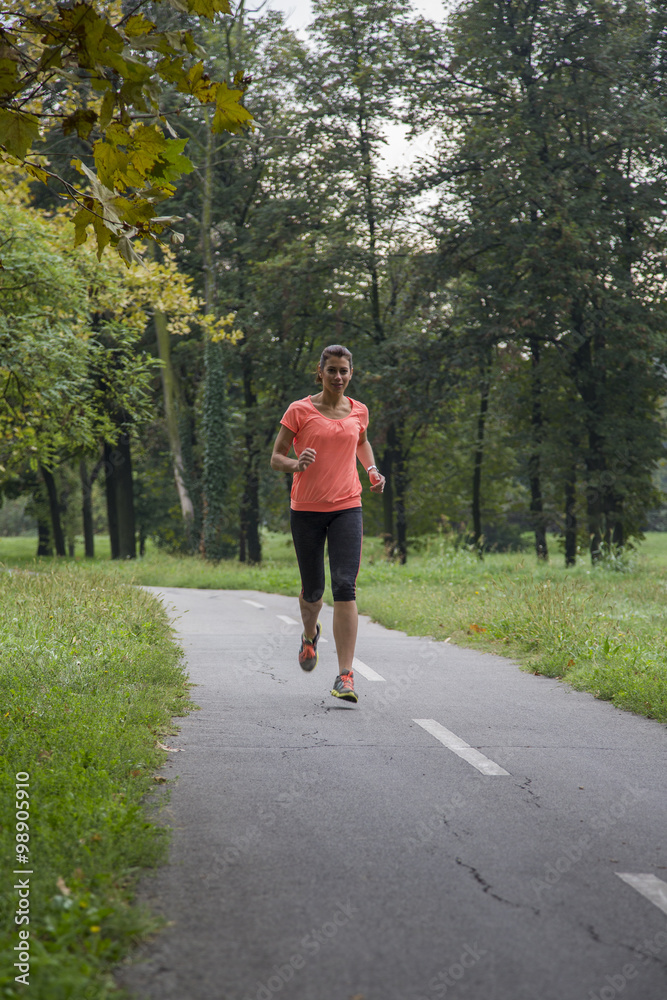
215 421
54 510
534 462
250 514
216 472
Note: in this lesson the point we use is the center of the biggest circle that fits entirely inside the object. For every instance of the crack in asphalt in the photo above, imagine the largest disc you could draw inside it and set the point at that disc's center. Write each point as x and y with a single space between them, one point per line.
487 888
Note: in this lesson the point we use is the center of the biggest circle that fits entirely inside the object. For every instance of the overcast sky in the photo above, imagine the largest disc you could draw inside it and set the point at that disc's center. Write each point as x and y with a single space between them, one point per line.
399 153
299 12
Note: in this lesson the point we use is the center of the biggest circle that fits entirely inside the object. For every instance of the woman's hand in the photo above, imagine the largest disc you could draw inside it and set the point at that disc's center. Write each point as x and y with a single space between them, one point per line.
306 458
377 481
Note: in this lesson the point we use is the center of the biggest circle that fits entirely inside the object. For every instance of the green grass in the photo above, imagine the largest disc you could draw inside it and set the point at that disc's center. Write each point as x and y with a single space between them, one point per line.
601 629
89 678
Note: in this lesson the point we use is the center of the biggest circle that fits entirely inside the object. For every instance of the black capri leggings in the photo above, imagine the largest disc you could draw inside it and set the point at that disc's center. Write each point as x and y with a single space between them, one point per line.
343 529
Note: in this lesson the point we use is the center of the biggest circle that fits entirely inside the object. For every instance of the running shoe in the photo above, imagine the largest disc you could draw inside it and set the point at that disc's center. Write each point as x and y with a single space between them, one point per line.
308 655
344 687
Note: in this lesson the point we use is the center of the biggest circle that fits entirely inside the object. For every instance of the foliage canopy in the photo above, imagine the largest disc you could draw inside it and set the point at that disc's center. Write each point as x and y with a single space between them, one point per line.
101 74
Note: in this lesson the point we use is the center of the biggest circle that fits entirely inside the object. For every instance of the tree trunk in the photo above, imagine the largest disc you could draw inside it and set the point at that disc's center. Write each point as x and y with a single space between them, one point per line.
171 415
534 462
387 470
401 516
589 379
40 503
477 469
216 454
250 505
250 515
595 505
127 538
214 418
571 513
618 536
87 510
44 547
110 461
206 221
615 530
54 510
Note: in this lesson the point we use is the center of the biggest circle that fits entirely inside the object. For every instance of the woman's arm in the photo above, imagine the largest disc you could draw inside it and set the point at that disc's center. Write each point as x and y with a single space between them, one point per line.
279 460
365 456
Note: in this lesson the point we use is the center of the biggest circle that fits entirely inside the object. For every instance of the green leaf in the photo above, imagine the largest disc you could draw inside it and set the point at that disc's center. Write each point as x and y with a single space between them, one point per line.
111 164
138 25
18 131
127 252
8 76
107 109
171 70
179 5
230 115
82 220
82 120
37 172
102 234
209 8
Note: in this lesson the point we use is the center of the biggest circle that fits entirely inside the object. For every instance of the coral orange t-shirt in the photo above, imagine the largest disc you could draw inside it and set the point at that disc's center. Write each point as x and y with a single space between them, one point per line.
331 482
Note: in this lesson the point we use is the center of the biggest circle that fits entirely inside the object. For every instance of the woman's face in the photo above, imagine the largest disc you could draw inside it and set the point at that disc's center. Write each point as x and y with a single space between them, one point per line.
336 373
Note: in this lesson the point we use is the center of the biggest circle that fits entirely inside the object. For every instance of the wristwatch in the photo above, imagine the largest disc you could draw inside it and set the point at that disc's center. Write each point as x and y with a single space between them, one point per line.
372 467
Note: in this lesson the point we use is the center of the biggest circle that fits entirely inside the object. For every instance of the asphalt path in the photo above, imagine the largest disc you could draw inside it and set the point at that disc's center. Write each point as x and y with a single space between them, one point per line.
468 830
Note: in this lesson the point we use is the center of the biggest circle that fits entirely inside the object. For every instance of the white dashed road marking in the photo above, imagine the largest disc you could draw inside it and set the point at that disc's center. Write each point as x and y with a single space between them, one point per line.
366 671
650 886
287 619
460 747
255 604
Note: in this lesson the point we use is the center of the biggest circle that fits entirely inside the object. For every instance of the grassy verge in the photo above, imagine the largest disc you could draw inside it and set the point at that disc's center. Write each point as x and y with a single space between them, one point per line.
603 630
90 678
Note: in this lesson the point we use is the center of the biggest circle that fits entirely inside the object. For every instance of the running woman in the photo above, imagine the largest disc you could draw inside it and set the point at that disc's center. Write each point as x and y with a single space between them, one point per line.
328 432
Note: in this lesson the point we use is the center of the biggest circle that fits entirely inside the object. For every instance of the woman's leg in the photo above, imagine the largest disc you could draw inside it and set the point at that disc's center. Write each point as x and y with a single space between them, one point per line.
309 534
310 615
345 622
344 538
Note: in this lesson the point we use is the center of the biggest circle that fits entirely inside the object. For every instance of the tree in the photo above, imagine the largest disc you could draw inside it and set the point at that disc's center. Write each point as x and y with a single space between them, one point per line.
555 182
251 221
357 79
73 372
100 72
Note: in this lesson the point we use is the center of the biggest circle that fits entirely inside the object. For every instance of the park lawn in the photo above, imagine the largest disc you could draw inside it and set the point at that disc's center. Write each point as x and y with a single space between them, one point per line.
90 679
